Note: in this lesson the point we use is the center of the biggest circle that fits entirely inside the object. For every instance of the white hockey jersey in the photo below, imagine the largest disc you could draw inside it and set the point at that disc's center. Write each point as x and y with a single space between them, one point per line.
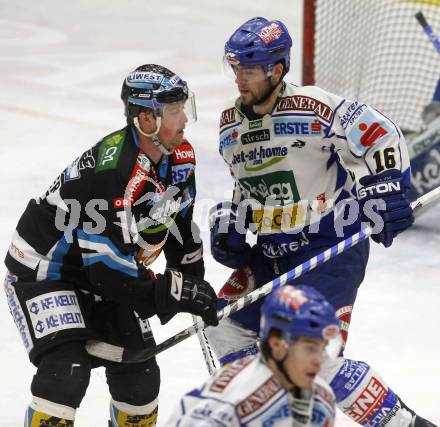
245 393
298 165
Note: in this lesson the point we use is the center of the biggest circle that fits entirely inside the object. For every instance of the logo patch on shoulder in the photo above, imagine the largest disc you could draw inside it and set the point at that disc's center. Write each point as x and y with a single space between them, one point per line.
109 151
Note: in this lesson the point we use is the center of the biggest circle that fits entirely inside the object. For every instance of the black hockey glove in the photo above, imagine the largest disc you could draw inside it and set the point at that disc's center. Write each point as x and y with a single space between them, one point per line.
190 262
176 292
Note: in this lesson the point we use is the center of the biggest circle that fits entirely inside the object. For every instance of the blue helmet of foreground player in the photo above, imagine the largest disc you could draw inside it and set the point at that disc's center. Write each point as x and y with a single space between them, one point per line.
298 311
259 42
152 86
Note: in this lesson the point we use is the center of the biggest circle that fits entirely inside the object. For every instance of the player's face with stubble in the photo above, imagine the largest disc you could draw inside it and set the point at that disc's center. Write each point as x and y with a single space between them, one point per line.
173 124
252 84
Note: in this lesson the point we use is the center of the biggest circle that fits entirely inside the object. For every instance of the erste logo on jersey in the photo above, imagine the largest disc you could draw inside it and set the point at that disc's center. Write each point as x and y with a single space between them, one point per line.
180 173
296 127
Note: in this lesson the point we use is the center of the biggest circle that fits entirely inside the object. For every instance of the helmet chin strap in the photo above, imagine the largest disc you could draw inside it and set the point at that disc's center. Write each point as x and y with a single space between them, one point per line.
153 135
282 369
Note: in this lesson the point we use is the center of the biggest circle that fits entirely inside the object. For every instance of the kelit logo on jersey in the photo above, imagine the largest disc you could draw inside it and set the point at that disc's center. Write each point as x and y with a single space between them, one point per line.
54 311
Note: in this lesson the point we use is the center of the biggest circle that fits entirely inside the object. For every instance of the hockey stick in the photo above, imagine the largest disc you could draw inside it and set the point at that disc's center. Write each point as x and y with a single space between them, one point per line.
206 348
429 137
125 355
434 40
428 30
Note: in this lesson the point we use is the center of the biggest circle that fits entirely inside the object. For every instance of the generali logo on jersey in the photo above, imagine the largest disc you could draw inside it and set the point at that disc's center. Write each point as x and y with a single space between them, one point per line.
260 397
305 103
227 117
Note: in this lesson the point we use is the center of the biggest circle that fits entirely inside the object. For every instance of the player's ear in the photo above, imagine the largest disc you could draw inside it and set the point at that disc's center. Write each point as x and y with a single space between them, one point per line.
277 72
147 121
277 347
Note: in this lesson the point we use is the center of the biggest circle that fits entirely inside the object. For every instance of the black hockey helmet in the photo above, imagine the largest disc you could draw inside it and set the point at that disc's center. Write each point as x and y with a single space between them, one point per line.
151 87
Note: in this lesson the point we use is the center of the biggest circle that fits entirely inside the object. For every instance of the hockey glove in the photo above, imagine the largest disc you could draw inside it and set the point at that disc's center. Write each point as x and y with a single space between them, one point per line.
387 190
228 235
190 262
176 292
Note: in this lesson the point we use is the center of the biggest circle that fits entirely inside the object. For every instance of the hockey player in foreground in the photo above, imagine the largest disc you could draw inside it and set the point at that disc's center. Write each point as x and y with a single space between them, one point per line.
289 149
79 260
281 385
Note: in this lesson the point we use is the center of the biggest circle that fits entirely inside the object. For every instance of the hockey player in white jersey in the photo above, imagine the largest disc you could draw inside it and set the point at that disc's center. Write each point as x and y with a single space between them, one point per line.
279 387
310 168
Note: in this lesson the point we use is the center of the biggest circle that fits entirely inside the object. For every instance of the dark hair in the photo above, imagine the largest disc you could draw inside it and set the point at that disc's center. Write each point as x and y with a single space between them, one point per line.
264 345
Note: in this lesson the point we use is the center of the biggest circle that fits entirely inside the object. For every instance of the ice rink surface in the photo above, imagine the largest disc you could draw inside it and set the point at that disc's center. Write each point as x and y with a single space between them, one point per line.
61 70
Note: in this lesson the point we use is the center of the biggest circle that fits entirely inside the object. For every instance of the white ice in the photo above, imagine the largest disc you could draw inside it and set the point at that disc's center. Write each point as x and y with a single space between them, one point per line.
61 68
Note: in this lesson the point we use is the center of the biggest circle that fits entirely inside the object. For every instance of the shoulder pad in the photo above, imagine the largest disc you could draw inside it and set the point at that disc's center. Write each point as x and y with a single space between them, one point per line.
109 150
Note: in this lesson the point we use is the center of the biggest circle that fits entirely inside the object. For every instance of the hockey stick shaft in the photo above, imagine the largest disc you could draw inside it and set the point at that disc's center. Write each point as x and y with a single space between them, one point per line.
125 355
428 30
206 349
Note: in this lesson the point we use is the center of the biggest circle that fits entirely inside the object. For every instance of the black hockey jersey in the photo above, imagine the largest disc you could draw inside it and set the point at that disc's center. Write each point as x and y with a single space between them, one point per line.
106 217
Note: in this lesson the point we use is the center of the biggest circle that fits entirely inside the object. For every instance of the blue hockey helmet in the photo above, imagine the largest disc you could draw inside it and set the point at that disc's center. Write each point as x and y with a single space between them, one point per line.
298 311
259 42
152 86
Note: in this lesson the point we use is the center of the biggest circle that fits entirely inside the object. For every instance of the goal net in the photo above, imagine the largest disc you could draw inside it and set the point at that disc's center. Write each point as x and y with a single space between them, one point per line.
374 51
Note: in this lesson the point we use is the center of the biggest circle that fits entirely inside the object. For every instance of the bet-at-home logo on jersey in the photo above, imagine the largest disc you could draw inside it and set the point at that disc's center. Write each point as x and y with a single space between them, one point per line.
280 186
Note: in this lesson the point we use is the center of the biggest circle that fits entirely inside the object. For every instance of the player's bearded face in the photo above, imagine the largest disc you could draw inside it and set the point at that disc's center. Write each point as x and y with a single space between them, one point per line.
252 83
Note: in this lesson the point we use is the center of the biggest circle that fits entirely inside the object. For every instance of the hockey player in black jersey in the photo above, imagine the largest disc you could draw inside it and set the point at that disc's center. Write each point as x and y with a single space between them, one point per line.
79 259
